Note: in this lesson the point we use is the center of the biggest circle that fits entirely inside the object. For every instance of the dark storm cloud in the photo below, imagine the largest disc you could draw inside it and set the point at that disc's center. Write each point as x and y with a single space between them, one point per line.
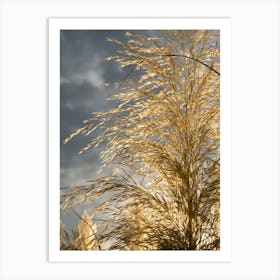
81 48
83 74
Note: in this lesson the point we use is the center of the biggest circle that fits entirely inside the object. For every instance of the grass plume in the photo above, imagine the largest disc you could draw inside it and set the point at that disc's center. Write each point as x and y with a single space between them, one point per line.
163 140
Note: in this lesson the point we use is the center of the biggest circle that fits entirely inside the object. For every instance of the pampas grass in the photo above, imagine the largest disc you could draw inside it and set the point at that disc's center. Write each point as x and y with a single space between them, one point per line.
163 140
83 237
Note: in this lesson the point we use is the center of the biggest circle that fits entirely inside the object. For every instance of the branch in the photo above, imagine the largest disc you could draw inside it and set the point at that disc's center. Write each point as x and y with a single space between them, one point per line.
195 59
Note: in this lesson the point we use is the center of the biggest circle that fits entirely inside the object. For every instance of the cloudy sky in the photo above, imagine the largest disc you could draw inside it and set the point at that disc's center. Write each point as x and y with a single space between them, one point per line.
83 73
82 91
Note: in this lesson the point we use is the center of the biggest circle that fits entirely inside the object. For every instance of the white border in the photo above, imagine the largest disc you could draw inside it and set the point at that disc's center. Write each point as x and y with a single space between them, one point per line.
24 164
55 25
